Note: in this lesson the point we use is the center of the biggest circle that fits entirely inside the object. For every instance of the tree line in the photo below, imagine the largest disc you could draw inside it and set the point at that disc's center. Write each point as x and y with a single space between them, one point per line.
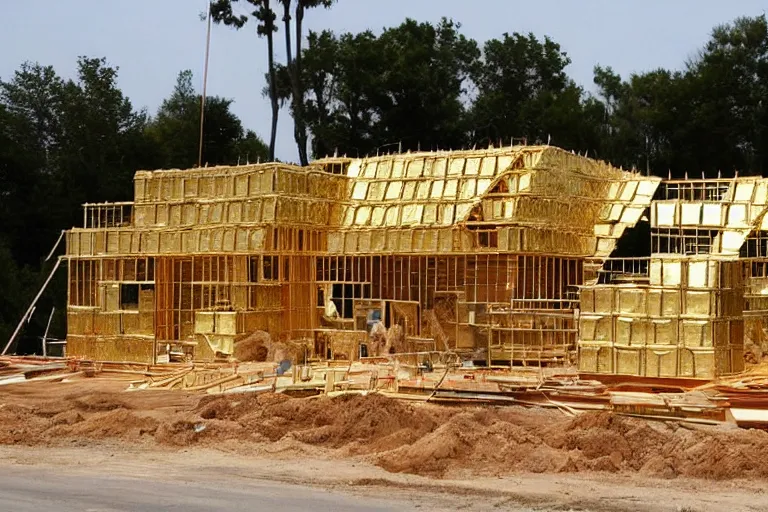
414 86
427 86
68 142
424 85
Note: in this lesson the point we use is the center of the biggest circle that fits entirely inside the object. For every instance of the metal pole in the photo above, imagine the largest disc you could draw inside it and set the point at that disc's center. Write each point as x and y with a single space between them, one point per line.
205 85
31 307
45 336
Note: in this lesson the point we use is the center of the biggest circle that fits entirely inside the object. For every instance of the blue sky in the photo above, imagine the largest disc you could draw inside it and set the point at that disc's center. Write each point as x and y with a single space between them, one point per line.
152 40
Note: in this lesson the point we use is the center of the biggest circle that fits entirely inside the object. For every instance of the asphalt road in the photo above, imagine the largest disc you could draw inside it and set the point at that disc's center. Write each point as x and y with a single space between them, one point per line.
24 489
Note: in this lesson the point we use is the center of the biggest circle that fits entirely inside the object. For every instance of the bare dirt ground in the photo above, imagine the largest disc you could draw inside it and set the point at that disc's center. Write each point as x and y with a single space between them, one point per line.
473 458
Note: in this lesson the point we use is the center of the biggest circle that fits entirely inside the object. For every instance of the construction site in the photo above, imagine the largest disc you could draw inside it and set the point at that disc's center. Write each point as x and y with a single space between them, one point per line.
554 301
518 256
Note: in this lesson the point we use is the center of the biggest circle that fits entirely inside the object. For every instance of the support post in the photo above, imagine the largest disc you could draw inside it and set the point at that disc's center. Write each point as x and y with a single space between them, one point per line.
31 307
45 335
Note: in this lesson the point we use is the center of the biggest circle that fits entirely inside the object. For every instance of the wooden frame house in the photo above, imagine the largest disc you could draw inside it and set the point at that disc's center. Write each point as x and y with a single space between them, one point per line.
481 252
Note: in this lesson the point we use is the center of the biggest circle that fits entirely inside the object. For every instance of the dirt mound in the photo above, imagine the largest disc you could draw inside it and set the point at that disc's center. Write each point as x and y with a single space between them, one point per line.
20 425
280 351
399 436
333 422
485 442
99 402
361 424
227 408
259 347
66 418
479 440
115 424
179 432
661 449
254 347
184 432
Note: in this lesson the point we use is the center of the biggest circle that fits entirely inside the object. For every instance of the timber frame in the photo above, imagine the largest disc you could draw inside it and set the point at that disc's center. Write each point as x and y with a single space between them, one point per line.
487 253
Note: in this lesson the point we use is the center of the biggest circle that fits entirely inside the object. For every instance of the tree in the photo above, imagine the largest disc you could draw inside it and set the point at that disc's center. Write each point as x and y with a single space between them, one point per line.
222 12
67 142
341 76
711 118
15 282
29 135
62 143
403 88
427 69
102 136
76 141
249 149
646 120
729 88
21 162
294 71
524 91
175 130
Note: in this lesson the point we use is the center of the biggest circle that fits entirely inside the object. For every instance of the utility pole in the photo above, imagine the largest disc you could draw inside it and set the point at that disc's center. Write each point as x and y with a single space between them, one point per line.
205 85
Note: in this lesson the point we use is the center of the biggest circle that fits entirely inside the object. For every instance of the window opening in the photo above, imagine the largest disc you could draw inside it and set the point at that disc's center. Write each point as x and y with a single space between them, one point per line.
129 296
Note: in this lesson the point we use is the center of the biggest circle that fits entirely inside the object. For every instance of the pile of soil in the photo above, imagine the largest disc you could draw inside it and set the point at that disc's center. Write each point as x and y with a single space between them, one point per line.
259 347
254 347
399 436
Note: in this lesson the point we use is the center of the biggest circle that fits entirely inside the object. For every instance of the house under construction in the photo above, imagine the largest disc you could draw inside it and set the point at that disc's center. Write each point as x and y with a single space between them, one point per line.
505 256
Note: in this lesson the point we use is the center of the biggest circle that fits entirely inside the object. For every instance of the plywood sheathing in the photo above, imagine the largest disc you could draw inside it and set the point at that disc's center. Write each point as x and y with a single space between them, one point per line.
542 199
686 322
504 230
704 280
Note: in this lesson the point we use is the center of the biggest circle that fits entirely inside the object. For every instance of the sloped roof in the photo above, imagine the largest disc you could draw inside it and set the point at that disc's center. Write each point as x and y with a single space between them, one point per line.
542 199
415 189
441 189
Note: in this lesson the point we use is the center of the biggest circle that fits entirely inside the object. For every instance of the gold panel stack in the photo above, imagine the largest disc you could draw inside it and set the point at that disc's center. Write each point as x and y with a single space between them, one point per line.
687 321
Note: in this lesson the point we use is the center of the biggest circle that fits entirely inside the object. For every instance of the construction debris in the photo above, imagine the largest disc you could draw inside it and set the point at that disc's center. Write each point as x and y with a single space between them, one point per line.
410 436
434 378
352 298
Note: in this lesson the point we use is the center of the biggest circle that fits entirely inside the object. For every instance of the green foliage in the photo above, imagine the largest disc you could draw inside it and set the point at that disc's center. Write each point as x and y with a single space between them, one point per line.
223 12
710 118
518 80
176 130
424 85
426 70
416 85
67 142
99 131
249 148
14 282
729 83
404 87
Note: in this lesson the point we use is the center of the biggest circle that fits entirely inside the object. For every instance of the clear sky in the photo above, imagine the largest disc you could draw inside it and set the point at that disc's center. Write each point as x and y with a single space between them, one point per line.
152 40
